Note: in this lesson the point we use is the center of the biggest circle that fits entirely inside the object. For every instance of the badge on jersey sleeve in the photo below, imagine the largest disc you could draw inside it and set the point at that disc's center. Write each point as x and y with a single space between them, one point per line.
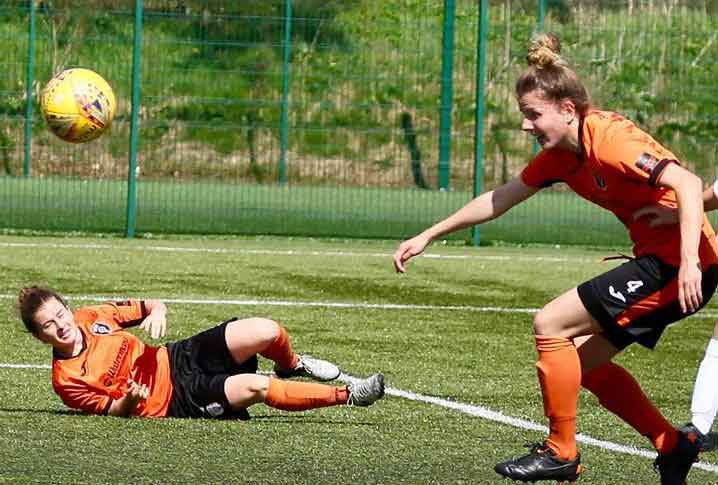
100 328
647 163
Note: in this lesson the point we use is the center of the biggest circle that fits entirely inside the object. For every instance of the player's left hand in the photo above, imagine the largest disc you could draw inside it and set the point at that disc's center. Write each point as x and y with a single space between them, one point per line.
657 215
690 294
155 324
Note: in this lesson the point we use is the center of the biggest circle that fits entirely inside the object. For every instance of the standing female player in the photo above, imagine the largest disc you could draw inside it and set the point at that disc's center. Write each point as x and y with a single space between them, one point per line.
100 368
606 159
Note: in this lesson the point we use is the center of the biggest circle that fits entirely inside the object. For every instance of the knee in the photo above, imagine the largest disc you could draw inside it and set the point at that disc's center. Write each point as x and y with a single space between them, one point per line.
543 323
265 330
257 385
243 390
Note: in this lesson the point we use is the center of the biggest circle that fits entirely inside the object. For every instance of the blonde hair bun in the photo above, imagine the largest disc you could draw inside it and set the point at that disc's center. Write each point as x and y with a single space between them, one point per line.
545 51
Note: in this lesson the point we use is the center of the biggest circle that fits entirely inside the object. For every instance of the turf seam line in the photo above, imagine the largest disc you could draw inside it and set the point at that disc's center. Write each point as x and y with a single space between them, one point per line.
476 411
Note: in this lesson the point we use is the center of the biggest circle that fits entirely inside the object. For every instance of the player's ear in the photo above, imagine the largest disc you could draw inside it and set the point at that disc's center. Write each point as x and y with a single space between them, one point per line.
568 110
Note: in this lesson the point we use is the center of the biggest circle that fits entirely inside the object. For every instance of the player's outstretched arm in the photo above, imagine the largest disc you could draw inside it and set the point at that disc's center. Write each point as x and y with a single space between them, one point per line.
483 208
155 323
124 406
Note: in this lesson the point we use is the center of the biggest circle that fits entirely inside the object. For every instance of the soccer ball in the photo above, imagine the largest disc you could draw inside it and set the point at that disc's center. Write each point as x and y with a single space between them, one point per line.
78 105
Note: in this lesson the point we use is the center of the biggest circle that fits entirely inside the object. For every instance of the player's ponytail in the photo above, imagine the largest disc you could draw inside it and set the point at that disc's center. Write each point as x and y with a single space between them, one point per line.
550 74
30 300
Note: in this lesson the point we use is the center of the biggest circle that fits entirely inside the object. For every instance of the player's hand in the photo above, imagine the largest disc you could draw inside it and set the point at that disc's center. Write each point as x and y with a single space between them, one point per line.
658 215
690 294
155 324
137 392
407 250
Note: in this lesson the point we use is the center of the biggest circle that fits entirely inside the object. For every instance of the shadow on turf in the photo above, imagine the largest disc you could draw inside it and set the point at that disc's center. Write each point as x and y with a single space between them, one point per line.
309 420
56 412
273 418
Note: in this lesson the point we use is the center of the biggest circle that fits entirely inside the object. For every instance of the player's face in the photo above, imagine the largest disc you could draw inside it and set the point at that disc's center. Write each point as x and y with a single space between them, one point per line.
55 323
548 121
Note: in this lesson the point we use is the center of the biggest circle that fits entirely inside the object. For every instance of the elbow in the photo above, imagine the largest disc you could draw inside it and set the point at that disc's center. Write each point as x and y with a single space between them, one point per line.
689 185
697 182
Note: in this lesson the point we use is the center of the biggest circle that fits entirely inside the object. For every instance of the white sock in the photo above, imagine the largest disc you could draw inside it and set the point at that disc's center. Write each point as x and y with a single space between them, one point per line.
704 405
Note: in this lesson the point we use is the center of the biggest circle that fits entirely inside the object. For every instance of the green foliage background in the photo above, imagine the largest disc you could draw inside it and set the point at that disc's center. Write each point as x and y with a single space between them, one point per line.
212 85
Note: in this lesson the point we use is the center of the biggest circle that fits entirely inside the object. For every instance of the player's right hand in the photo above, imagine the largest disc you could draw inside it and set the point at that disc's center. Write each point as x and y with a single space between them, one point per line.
155 324
407 250
136 391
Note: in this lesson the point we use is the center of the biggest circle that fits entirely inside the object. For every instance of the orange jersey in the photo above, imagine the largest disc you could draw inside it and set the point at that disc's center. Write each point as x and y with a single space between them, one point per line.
110 357
619 170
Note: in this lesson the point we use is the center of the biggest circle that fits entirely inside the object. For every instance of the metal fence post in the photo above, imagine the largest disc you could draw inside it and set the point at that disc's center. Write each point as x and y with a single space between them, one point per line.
480 106
539 28
29 91
284 119
447 91
134 118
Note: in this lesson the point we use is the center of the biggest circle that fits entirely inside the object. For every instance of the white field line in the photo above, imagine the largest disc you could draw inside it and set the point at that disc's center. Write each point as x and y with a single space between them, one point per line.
290 252
286 303
497 417
324 304
476 411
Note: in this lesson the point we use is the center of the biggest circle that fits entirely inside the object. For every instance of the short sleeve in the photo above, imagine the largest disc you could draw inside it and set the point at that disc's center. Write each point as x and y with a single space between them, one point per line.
544 170
127 313
632 151
79 396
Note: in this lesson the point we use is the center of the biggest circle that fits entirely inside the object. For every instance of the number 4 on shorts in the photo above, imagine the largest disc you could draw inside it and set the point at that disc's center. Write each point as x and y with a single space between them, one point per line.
633 285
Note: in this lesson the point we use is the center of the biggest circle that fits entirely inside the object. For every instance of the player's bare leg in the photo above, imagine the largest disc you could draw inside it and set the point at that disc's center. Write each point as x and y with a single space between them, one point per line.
559 369
268 338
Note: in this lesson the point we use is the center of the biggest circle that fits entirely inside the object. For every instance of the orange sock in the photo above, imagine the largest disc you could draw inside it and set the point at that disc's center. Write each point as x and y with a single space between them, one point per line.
280 351
620 393
300 396
559 372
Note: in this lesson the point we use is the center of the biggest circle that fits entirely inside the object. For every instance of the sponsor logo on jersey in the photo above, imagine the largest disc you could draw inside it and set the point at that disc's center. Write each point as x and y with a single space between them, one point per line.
109 377
100 328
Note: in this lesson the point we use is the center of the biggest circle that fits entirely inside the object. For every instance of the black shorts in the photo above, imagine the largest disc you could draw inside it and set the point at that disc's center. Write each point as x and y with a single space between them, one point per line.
199 366
636 301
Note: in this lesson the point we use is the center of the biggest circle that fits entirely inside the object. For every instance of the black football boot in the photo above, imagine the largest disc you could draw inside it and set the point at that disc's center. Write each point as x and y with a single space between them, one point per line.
674 466
540 464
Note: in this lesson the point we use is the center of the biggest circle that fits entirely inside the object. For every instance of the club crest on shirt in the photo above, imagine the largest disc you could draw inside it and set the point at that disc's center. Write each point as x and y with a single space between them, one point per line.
100 328
647 163
600 182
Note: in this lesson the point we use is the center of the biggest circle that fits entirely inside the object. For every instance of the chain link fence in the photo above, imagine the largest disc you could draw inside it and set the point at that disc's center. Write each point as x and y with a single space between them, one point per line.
349 119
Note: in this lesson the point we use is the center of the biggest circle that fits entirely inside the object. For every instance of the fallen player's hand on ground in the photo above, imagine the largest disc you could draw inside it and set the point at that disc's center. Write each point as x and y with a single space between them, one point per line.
137 392
155 324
